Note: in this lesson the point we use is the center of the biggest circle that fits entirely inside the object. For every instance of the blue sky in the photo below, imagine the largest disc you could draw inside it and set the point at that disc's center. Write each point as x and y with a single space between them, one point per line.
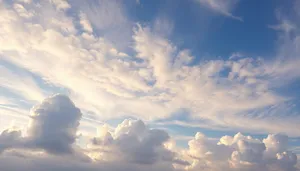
205 32
183 66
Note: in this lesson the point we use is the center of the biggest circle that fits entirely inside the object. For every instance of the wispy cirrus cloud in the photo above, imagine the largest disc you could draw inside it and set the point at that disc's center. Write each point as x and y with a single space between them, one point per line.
155 75
222 7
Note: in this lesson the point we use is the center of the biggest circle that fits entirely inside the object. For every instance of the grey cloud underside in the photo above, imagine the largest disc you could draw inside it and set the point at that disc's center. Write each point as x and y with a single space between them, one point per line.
54 124
132 145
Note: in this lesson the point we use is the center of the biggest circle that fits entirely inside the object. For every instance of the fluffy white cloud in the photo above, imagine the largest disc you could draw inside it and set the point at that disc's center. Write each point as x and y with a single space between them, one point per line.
53 124
133 142
52 127
240 153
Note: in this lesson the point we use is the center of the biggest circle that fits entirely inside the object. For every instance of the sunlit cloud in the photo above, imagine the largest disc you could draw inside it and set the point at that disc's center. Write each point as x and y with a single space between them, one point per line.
111 67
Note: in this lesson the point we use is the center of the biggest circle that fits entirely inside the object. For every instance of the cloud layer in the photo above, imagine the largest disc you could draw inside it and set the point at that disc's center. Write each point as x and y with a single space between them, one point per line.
132 145
70 53
113 67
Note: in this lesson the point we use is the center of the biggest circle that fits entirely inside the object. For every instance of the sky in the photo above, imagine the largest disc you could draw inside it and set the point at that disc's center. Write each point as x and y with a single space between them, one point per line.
168 85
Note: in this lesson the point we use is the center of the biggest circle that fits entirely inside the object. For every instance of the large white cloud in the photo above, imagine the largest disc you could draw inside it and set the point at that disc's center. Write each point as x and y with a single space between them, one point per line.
133 142
53 124
52 127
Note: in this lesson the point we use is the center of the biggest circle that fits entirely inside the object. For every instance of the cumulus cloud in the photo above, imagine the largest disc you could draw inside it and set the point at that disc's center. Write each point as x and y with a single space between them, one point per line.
52 127
9 139
54 124
132 145
133 142
240 153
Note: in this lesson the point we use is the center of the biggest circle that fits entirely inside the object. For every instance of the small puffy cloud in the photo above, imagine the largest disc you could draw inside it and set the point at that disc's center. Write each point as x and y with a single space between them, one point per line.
61 4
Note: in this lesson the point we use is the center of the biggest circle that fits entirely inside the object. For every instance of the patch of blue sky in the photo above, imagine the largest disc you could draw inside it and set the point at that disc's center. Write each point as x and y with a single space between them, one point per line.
209 35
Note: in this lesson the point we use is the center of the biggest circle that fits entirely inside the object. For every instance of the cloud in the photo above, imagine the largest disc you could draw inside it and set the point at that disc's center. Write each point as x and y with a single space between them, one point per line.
48 163
65 45
53 130
239 153
285 26
61 4
22 11
222 7
25 1
21 83
109 19
52 127
9 139
154 75
53 124
132 145
85 23
133 142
